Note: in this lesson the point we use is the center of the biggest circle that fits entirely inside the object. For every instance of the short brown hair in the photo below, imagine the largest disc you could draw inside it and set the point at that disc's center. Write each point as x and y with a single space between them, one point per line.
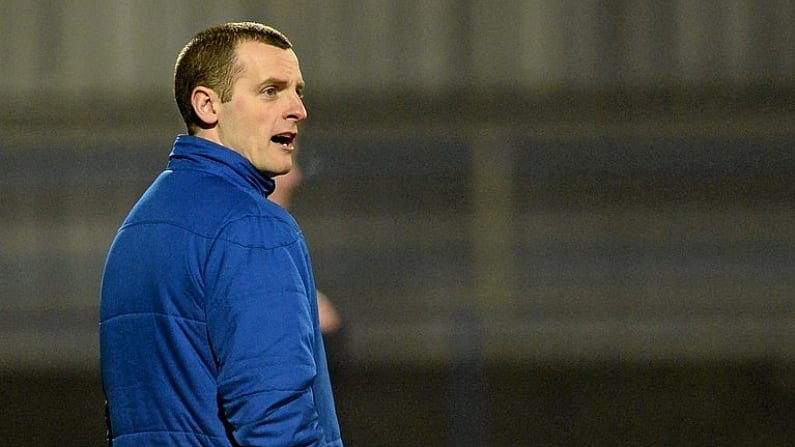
209 60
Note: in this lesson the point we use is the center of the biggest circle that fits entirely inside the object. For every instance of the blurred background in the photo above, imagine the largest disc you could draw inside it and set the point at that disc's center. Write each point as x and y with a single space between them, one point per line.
544 222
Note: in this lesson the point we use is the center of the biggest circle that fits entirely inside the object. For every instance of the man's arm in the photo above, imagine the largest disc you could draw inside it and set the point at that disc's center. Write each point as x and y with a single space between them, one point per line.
261 328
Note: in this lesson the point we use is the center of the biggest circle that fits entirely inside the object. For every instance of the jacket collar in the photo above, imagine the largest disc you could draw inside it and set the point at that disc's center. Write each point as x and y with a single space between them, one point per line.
199 153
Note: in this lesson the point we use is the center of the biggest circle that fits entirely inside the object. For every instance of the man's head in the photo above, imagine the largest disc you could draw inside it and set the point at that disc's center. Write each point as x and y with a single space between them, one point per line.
240 85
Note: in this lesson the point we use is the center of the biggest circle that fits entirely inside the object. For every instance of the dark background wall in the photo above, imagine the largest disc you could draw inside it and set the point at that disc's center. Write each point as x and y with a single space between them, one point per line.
564 224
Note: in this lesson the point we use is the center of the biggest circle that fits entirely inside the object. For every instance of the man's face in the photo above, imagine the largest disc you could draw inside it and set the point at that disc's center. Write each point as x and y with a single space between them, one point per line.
261 120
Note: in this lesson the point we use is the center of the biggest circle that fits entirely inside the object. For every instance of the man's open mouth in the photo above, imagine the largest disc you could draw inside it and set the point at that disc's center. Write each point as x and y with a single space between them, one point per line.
285 139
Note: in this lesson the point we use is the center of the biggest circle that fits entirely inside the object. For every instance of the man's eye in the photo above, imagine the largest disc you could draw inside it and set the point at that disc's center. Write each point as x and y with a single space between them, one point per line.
270 91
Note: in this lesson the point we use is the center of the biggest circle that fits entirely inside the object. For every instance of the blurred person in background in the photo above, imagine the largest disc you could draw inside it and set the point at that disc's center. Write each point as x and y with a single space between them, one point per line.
209 322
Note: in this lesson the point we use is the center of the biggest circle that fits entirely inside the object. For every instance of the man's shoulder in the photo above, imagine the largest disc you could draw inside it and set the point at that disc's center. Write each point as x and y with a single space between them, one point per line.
200 202
263 226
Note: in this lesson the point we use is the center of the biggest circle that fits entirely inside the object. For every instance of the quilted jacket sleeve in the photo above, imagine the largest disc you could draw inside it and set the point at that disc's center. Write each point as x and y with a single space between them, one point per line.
261 312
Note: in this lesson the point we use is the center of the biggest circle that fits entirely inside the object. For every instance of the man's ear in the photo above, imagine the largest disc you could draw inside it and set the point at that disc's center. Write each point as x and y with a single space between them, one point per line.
204 102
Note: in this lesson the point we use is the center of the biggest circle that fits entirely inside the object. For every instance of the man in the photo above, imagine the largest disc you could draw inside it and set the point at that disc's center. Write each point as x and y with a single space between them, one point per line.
209 332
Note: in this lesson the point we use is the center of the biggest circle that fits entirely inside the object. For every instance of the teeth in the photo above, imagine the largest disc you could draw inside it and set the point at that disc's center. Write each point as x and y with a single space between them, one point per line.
283 139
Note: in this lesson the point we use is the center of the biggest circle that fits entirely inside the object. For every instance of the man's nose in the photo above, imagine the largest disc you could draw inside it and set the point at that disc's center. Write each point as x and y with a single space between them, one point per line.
297 109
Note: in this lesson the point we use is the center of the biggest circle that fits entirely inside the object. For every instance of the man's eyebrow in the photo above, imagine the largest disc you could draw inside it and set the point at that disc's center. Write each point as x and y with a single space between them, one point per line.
272 81
281 83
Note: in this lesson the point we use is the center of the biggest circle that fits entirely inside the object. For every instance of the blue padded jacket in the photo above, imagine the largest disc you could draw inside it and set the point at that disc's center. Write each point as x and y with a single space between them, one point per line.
209 331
